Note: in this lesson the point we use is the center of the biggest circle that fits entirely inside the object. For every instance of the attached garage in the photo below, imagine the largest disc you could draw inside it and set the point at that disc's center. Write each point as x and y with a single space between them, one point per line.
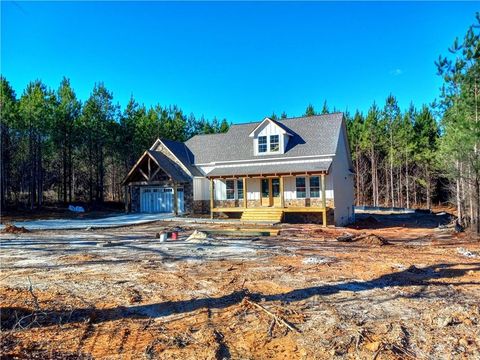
156 184
160 199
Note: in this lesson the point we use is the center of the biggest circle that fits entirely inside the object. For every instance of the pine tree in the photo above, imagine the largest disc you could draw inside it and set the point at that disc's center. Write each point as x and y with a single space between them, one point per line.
309 111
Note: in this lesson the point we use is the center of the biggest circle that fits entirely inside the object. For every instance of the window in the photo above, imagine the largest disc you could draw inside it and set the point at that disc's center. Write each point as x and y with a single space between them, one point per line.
265 188
315 187
301 189
262 144
274 143
240 189
230 189
276 187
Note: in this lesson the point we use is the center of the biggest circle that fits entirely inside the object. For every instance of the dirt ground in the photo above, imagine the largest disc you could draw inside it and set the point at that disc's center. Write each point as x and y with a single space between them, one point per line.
396 287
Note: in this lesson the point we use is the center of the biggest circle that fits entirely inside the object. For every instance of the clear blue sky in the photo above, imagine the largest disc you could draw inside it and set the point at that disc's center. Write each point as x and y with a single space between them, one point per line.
241 61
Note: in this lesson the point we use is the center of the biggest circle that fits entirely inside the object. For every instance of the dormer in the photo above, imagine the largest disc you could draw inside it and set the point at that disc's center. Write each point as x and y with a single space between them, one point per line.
269 137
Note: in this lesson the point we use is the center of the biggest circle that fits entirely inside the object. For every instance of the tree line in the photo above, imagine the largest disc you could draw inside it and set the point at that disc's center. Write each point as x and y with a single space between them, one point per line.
56 148
412 157
54 145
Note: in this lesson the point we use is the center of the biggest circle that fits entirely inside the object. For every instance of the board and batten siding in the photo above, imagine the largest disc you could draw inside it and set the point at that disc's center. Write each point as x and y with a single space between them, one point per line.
201 188
290 187
268 129
342 183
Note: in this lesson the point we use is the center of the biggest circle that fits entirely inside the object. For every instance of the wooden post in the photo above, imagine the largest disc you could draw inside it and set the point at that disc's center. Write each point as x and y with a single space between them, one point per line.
324 202
175 199
149 168
245 192
130 199
282 198
125 192
211 198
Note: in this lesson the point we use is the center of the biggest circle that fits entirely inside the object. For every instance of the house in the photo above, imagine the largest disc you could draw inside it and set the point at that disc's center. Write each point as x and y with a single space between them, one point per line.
267 170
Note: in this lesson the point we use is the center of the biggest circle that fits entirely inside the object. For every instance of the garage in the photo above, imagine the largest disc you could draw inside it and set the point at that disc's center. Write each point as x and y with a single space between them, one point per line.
160 199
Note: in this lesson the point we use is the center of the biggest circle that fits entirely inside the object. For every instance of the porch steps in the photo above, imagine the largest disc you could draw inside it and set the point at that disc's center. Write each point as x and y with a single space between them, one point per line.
262 214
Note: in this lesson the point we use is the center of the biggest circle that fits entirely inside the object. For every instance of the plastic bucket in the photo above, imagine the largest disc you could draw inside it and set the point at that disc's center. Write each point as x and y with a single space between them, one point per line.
163 237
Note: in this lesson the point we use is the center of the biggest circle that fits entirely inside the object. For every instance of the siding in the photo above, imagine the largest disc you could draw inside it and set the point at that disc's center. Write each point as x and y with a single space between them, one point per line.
253 189
201 189
343 183
291 189
268 129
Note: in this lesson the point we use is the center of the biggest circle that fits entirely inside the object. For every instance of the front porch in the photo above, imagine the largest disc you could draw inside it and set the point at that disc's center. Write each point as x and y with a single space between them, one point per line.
267 200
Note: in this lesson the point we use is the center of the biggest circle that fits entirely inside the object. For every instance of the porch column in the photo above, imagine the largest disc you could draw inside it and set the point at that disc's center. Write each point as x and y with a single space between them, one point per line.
211 198
324 202
130 199
282 196
126 197
245 192
175 199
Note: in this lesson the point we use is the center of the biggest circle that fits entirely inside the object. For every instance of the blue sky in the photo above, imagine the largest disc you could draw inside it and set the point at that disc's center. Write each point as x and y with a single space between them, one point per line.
239 61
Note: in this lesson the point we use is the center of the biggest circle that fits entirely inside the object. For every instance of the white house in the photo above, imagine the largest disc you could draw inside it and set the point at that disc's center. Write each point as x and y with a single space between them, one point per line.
267 170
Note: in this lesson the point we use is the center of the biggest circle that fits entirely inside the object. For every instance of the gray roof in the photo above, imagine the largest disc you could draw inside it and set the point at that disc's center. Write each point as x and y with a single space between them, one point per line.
169 166
298 168
183 154
313 135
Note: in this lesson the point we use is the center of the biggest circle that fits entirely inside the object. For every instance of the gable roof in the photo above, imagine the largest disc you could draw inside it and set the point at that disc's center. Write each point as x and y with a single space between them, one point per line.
181 152
168 166
162 161
311 136
281 126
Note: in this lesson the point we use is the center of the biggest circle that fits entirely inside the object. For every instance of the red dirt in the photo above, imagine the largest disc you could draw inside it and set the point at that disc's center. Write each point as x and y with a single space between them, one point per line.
417 298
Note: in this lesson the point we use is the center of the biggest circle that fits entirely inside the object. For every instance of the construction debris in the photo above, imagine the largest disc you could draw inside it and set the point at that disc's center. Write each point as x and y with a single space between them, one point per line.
12 229
467 253
277 319
297 295
198 236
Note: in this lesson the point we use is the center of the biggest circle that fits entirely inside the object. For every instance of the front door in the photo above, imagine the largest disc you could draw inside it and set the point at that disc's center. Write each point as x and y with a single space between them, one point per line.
276 191
266 192
270 192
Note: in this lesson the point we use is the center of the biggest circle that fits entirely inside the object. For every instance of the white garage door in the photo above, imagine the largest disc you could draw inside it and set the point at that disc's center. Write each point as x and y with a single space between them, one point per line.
157 200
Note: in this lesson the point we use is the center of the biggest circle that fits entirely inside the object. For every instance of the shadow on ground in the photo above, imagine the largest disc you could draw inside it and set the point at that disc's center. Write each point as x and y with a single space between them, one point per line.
428 276
414 220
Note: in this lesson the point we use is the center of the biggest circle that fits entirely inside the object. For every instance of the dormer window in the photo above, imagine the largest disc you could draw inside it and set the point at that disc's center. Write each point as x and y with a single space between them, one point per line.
270 137
262 144
274 143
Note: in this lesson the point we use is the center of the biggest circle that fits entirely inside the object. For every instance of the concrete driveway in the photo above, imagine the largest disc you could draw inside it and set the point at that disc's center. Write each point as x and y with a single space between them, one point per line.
112 221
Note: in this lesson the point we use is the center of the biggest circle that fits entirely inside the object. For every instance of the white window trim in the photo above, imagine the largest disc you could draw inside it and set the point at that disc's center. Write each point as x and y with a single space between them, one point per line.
281 145
319 188
267 144
306 188
236 189
270 144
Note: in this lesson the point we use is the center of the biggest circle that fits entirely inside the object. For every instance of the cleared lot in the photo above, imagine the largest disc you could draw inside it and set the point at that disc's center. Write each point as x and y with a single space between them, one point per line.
120 293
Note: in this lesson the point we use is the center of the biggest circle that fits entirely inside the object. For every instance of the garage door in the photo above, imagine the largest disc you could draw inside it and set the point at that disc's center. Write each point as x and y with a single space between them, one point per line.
157 200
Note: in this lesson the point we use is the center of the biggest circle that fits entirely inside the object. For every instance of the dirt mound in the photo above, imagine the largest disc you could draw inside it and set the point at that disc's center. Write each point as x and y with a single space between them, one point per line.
368 239
372 239
12 229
